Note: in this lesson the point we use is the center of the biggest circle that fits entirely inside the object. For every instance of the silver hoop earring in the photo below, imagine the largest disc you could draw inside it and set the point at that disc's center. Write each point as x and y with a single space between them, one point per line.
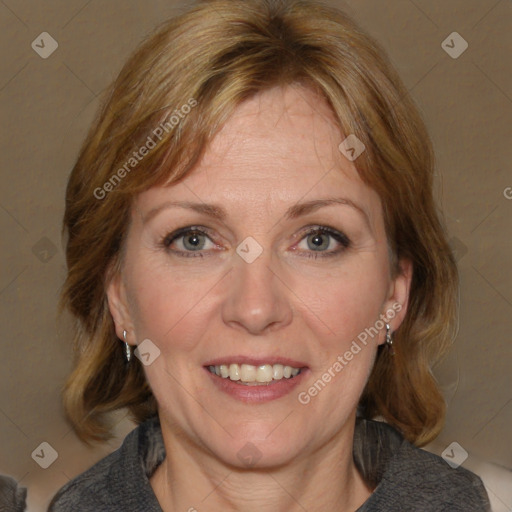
127 349
389 340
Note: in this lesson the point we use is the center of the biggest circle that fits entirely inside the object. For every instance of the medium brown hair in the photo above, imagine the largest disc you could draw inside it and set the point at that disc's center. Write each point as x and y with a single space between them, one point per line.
214 56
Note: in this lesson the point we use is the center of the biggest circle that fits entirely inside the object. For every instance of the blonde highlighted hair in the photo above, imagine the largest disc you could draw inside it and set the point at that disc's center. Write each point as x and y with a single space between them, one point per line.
218 54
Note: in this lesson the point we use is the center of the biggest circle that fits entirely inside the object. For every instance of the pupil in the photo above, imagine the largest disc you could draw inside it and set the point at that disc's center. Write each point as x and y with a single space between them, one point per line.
317 241
193 241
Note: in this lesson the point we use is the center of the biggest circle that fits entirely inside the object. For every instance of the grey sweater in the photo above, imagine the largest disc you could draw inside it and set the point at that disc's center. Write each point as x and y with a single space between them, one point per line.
406 478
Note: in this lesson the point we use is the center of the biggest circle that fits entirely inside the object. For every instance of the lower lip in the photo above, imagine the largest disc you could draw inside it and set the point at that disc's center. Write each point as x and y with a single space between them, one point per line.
260 393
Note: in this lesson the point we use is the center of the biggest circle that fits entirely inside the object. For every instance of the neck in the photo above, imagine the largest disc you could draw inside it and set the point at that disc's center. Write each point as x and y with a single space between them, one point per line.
190 479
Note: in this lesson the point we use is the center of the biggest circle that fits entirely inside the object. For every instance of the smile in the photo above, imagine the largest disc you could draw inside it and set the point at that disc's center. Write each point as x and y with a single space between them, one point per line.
251 375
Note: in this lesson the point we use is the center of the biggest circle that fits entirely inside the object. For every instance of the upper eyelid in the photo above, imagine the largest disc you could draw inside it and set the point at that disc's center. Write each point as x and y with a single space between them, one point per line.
339 236
181 232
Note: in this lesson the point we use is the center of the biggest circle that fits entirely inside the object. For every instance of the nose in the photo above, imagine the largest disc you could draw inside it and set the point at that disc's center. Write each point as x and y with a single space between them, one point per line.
257 300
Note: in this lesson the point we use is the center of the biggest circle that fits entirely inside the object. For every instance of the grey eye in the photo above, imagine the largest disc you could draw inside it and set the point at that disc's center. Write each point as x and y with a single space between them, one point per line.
318 241
194 241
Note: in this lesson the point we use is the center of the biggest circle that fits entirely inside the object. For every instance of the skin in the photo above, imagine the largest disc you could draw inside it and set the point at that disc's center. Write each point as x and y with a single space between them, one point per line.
280 148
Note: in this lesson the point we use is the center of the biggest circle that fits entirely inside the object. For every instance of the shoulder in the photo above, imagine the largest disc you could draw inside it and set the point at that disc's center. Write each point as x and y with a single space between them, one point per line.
413 479
12 497
420 475
118 482
89 489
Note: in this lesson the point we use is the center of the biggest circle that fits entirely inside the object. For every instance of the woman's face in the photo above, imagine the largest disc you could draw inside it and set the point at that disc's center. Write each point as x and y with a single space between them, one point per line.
271 253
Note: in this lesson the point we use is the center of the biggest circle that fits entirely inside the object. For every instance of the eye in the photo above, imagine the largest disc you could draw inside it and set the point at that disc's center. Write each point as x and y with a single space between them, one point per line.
324 242
187 241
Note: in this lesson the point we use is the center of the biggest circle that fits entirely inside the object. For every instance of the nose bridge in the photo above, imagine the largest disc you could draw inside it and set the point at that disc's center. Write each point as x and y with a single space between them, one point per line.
256 298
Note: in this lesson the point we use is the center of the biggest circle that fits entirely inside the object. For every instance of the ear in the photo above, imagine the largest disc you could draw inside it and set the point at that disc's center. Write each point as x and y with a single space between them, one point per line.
118 306
395 307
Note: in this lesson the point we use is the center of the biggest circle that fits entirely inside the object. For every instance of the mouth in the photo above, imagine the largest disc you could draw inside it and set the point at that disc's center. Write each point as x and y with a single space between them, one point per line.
254 381
252 375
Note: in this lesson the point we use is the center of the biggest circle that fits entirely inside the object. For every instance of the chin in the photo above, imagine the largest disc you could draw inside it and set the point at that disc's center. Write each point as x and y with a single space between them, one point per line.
259 446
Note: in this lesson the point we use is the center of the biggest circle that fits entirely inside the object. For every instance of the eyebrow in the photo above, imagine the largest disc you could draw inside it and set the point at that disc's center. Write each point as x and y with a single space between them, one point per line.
220 214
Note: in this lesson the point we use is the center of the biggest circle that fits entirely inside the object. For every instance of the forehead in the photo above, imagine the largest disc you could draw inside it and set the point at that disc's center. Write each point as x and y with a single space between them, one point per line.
280 146
277 130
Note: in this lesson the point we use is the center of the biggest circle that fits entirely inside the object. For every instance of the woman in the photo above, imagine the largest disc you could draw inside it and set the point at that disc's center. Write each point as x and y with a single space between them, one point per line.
252 216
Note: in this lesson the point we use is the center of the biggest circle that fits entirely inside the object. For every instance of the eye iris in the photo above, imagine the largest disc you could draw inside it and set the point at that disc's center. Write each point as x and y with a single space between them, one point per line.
319 240
193 241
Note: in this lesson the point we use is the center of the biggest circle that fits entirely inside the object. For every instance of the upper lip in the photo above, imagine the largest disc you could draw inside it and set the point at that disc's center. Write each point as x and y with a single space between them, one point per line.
256 361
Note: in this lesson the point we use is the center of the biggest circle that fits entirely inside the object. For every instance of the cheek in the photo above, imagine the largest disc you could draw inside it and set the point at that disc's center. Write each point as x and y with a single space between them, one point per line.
343 304
342 315
171 307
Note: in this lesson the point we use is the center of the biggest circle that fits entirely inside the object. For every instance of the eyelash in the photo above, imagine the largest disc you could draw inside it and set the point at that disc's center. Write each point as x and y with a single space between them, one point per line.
325 230
341 238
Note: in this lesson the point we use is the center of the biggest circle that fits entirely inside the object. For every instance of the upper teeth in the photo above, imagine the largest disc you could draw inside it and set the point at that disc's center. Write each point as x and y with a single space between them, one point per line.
250 373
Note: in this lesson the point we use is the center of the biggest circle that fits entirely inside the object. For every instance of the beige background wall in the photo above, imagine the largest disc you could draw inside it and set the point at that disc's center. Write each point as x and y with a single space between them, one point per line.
47 105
